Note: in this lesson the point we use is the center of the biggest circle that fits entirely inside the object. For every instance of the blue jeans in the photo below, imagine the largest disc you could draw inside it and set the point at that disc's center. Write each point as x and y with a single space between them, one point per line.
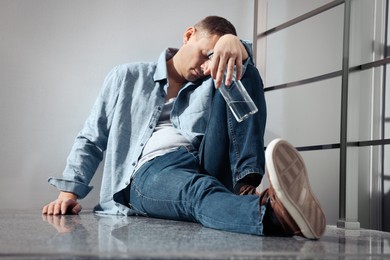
196 184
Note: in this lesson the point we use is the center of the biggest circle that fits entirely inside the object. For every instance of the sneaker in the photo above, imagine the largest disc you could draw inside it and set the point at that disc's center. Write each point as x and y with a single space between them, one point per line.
291 197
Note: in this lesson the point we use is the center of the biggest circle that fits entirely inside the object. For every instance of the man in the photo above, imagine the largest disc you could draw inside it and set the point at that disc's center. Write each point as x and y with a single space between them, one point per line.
174 150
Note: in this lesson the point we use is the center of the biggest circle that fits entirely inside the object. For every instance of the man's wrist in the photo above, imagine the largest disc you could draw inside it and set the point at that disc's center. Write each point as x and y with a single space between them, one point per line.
244 52
67 195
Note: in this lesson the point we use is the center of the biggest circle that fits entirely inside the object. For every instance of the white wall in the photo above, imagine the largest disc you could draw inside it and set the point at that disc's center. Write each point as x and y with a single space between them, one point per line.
54 56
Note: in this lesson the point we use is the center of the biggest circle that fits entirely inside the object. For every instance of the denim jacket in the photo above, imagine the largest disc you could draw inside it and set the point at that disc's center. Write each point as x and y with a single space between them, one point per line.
122 120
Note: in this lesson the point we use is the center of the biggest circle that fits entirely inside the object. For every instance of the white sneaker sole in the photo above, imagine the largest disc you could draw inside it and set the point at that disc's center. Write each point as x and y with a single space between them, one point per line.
288 176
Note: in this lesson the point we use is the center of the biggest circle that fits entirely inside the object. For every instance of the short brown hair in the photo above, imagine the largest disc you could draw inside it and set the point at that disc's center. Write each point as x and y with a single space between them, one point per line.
215 25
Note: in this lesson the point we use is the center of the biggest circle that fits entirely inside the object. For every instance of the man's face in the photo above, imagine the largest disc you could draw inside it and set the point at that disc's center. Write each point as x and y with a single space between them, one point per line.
195 62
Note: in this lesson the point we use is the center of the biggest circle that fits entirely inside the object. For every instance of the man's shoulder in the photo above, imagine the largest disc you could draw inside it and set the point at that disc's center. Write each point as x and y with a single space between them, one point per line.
130 76
135 68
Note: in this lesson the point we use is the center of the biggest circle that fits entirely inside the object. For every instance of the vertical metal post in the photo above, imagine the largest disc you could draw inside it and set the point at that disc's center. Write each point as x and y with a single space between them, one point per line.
348 191
383 123
344 111
255 32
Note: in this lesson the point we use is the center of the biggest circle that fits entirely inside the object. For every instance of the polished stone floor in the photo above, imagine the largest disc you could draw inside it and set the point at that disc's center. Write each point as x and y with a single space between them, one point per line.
29 235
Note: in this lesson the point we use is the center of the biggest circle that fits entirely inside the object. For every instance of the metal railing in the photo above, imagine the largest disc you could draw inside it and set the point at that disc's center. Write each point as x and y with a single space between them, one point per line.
344 74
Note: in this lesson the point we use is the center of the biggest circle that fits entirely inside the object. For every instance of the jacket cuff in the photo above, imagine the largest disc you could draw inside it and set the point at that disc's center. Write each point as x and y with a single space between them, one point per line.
248 47
78 188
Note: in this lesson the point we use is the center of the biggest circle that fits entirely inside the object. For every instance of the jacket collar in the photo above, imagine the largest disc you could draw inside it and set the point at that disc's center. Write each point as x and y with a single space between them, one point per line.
161 72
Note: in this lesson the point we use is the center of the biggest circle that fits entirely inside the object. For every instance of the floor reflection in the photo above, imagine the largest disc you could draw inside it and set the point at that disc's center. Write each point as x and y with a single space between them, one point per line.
120 236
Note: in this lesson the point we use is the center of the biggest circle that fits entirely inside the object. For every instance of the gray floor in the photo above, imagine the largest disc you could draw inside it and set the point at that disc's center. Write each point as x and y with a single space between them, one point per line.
29 235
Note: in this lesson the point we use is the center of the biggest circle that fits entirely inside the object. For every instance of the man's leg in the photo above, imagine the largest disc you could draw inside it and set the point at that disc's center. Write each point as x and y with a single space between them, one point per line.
234 152
288 206
171 187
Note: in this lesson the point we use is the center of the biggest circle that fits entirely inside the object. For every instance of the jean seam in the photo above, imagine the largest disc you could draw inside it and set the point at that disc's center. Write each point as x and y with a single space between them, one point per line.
192 152
138 211
234 141
142 212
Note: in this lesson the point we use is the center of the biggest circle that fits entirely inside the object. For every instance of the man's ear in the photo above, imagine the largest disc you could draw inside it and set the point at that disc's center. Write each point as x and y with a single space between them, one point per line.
190 32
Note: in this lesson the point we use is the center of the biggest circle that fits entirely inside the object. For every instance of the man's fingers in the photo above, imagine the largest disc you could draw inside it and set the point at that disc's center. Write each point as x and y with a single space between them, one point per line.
238 67
62 206
57 208
227 57
225 63
221 66
229 72
44 210
50 208
76 209
214 65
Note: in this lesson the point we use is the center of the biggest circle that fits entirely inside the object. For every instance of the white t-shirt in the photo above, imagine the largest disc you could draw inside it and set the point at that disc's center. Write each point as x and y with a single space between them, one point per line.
165 138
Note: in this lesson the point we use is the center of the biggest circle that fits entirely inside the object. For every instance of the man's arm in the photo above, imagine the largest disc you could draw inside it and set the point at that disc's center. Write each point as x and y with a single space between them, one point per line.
228 52
87 151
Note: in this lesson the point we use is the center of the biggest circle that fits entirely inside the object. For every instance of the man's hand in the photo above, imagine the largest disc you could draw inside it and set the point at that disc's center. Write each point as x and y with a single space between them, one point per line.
66 203
228 51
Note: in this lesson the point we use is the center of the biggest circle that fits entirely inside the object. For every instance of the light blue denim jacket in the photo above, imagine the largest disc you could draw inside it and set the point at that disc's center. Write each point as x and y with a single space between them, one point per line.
122 120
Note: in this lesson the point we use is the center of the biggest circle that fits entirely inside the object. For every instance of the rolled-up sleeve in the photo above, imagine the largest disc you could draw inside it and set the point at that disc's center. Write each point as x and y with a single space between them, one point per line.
78 188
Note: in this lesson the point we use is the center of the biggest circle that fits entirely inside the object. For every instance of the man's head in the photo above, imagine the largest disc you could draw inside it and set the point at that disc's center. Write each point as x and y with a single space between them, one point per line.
191 62
215 25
